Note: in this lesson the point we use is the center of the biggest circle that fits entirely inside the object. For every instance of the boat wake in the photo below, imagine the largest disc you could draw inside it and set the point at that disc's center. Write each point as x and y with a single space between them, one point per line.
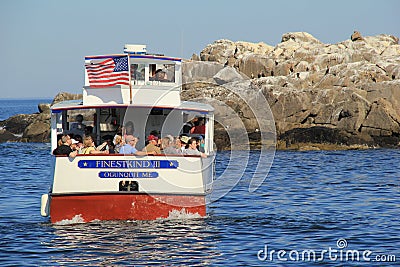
181 214
75 220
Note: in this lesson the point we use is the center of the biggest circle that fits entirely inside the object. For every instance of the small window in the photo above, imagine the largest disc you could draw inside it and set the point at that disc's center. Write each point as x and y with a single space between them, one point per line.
137 72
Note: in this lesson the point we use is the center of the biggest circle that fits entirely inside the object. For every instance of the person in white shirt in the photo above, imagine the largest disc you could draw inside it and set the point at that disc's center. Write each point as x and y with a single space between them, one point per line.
192 149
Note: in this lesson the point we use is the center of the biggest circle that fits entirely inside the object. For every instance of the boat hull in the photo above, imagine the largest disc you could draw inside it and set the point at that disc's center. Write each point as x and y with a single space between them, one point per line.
139 206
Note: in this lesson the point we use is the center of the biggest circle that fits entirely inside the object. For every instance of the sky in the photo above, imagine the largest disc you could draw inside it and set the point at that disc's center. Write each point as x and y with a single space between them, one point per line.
44 42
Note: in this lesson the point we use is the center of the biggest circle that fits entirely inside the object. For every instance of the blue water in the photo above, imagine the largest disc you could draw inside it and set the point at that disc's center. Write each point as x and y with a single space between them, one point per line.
309 201
10 107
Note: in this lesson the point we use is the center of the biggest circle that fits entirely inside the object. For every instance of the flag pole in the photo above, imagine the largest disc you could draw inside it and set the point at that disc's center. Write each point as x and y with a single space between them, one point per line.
130 79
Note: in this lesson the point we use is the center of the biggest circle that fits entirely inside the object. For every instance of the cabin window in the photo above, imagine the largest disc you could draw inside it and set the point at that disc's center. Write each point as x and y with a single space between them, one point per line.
137 72
162 72
80 122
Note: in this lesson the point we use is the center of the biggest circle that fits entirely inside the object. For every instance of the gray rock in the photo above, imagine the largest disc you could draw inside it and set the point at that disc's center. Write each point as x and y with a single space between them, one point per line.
6 136
227 75
63 96
38 131
356 36
44 108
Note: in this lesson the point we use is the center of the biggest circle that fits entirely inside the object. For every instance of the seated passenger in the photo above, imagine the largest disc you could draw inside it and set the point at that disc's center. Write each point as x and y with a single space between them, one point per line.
168 147
89 147
129 147
118 143
152 145
74 145
192 149
183 142
109 145
65 147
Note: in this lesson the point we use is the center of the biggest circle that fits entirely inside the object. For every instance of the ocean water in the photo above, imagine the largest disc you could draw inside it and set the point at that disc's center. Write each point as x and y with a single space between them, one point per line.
331 203
10 107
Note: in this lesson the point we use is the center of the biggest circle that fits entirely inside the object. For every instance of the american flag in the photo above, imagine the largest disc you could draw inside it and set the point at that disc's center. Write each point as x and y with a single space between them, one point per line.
108 72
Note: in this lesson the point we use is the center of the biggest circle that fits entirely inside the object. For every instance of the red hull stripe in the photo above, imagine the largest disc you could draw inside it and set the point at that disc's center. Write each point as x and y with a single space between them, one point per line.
122 206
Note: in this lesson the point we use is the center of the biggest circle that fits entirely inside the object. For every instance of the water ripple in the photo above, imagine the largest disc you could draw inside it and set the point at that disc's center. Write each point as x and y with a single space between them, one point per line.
308 201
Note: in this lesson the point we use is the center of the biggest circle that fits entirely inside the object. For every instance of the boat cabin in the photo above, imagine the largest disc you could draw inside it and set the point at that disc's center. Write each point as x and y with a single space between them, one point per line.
146 92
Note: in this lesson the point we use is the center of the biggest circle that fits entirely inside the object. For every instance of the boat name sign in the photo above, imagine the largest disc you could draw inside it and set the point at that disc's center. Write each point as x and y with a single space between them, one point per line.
128 164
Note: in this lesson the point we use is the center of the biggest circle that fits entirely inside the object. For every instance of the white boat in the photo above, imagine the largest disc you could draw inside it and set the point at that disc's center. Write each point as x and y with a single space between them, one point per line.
128 187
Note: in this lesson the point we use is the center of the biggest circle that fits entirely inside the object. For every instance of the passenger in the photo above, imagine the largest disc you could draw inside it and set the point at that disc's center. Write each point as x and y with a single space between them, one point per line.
109 144
187 127
160 76
136 75
78 138
167 144
200 128
129 147
201 144
88 130
192 149
78 127
118 143
152 145
65 147
59 141
128 129
184 142
177 143
74 145
79 147
89 147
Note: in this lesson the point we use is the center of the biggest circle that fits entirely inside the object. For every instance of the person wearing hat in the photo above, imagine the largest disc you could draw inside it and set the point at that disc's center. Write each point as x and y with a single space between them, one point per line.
152 145
183 141
129 147
74 144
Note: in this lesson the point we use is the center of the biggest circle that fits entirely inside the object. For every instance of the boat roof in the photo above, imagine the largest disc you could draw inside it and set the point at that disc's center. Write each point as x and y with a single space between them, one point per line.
139 56
78 104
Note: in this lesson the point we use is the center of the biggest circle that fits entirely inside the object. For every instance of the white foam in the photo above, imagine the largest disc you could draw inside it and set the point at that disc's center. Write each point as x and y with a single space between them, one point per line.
181 214
76 219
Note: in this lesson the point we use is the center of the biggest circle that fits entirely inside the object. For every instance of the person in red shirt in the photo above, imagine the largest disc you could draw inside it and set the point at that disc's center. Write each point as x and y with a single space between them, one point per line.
200 128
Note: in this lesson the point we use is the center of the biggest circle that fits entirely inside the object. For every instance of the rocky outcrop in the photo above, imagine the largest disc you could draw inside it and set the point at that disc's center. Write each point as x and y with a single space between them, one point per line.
32 127
346 94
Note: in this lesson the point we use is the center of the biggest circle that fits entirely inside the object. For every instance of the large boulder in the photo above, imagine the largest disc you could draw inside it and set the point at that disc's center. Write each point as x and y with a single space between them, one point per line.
63 96
226 75
38 131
